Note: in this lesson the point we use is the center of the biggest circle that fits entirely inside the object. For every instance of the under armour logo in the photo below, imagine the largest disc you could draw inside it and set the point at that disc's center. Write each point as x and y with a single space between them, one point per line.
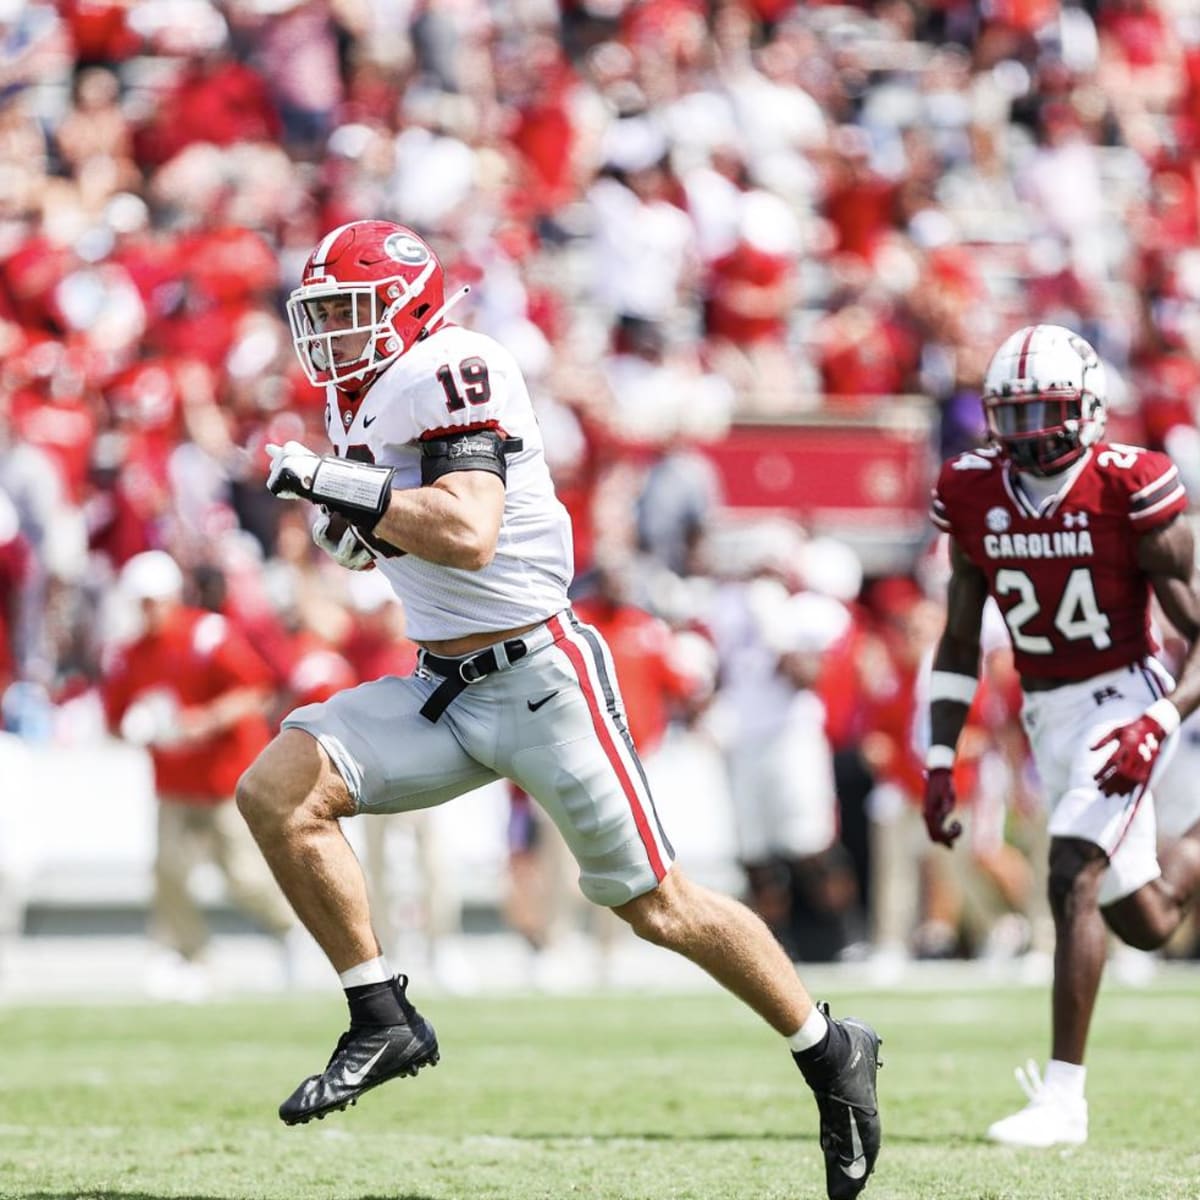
1149 748
1075 520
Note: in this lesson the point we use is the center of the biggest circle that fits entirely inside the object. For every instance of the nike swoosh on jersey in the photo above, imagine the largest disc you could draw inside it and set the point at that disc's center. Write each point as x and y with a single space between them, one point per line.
368 421
858 1164
534 705
356 1077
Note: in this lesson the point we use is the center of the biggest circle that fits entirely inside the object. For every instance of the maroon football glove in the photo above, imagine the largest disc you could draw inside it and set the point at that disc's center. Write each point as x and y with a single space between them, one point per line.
938 805
1130 764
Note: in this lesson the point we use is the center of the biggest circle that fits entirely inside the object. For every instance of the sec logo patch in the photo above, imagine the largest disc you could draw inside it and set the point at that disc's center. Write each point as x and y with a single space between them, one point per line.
998 519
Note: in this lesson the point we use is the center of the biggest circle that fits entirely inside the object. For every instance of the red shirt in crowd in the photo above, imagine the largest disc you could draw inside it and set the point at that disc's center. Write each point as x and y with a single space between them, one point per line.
650 682
892 714
860 210
1139 32
64 428
16 568
221 102
544 134
1025 16
99 30
196 658
727 318
375 652
318 672
1169 386
873 355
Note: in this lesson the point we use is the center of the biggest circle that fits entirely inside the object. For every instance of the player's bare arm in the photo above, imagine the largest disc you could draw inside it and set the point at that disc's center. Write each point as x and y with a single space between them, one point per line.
454 521
1167 557
957 654
952 687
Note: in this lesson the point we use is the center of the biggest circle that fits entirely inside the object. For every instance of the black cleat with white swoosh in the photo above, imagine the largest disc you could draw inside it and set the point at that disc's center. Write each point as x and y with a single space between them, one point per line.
849 1109
365 1057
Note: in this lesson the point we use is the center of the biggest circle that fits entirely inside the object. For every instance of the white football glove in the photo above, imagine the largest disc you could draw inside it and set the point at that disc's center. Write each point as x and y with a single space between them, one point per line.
347 551
293 469
360 491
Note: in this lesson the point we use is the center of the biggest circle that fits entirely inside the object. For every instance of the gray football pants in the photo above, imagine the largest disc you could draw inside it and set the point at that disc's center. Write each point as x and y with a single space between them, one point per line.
553 722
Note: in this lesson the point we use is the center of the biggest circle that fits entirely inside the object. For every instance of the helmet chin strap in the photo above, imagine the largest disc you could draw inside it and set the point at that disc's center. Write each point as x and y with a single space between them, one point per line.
440 315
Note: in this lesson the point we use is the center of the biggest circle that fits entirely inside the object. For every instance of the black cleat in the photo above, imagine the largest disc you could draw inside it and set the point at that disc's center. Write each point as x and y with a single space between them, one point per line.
365 1057
849 1108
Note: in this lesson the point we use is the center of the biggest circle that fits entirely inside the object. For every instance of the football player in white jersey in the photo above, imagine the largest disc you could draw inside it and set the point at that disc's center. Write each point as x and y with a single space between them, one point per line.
439 481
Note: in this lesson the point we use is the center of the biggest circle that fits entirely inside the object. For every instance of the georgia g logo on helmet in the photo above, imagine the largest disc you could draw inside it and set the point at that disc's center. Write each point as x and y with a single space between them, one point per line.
406 249
1044 398
370 291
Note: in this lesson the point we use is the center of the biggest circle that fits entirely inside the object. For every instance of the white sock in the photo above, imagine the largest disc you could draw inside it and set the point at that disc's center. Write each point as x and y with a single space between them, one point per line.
1065 1078
810 1033
374 970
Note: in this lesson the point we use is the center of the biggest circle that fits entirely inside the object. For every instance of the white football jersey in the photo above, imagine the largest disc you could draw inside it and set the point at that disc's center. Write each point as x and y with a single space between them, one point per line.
457 379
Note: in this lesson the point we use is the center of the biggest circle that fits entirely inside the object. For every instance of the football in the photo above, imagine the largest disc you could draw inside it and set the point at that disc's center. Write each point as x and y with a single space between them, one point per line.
337 527
381 548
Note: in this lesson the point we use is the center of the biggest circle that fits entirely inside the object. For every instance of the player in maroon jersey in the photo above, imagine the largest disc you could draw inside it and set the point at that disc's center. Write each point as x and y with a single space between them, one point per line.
1070 535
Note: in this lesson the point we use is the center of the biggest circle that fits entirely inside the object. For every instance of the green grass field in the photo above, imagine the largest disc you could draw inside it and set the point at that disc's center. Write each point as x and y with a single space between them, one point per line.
638 1097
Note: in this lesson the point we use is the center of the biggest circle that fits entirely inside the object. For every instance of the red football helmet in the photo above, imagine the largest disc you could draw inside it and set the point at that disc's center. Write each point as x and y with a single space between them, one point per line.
369 292
1044 398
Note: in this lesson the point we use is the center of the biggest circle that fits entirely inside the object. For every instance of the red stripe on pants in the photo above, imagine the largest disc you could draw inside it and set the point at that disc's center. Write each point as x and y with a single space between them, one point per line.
1133 811
575 655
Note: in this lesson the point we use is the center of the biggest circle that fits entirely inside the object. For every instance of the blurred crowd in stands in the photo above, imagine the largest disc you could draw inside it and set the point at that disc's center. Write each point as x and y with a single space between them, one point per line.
678 215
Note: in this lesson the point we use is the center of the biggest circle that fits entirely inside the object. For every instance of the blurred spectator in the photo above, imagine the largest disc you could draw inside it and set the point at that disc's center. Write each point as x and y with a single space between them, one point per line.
656 683
867 350
655 407
193 692
434 164
1062 180
96 127
644 262
297 52
216 100
33 47
16 576
770 724
859 200
750 293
